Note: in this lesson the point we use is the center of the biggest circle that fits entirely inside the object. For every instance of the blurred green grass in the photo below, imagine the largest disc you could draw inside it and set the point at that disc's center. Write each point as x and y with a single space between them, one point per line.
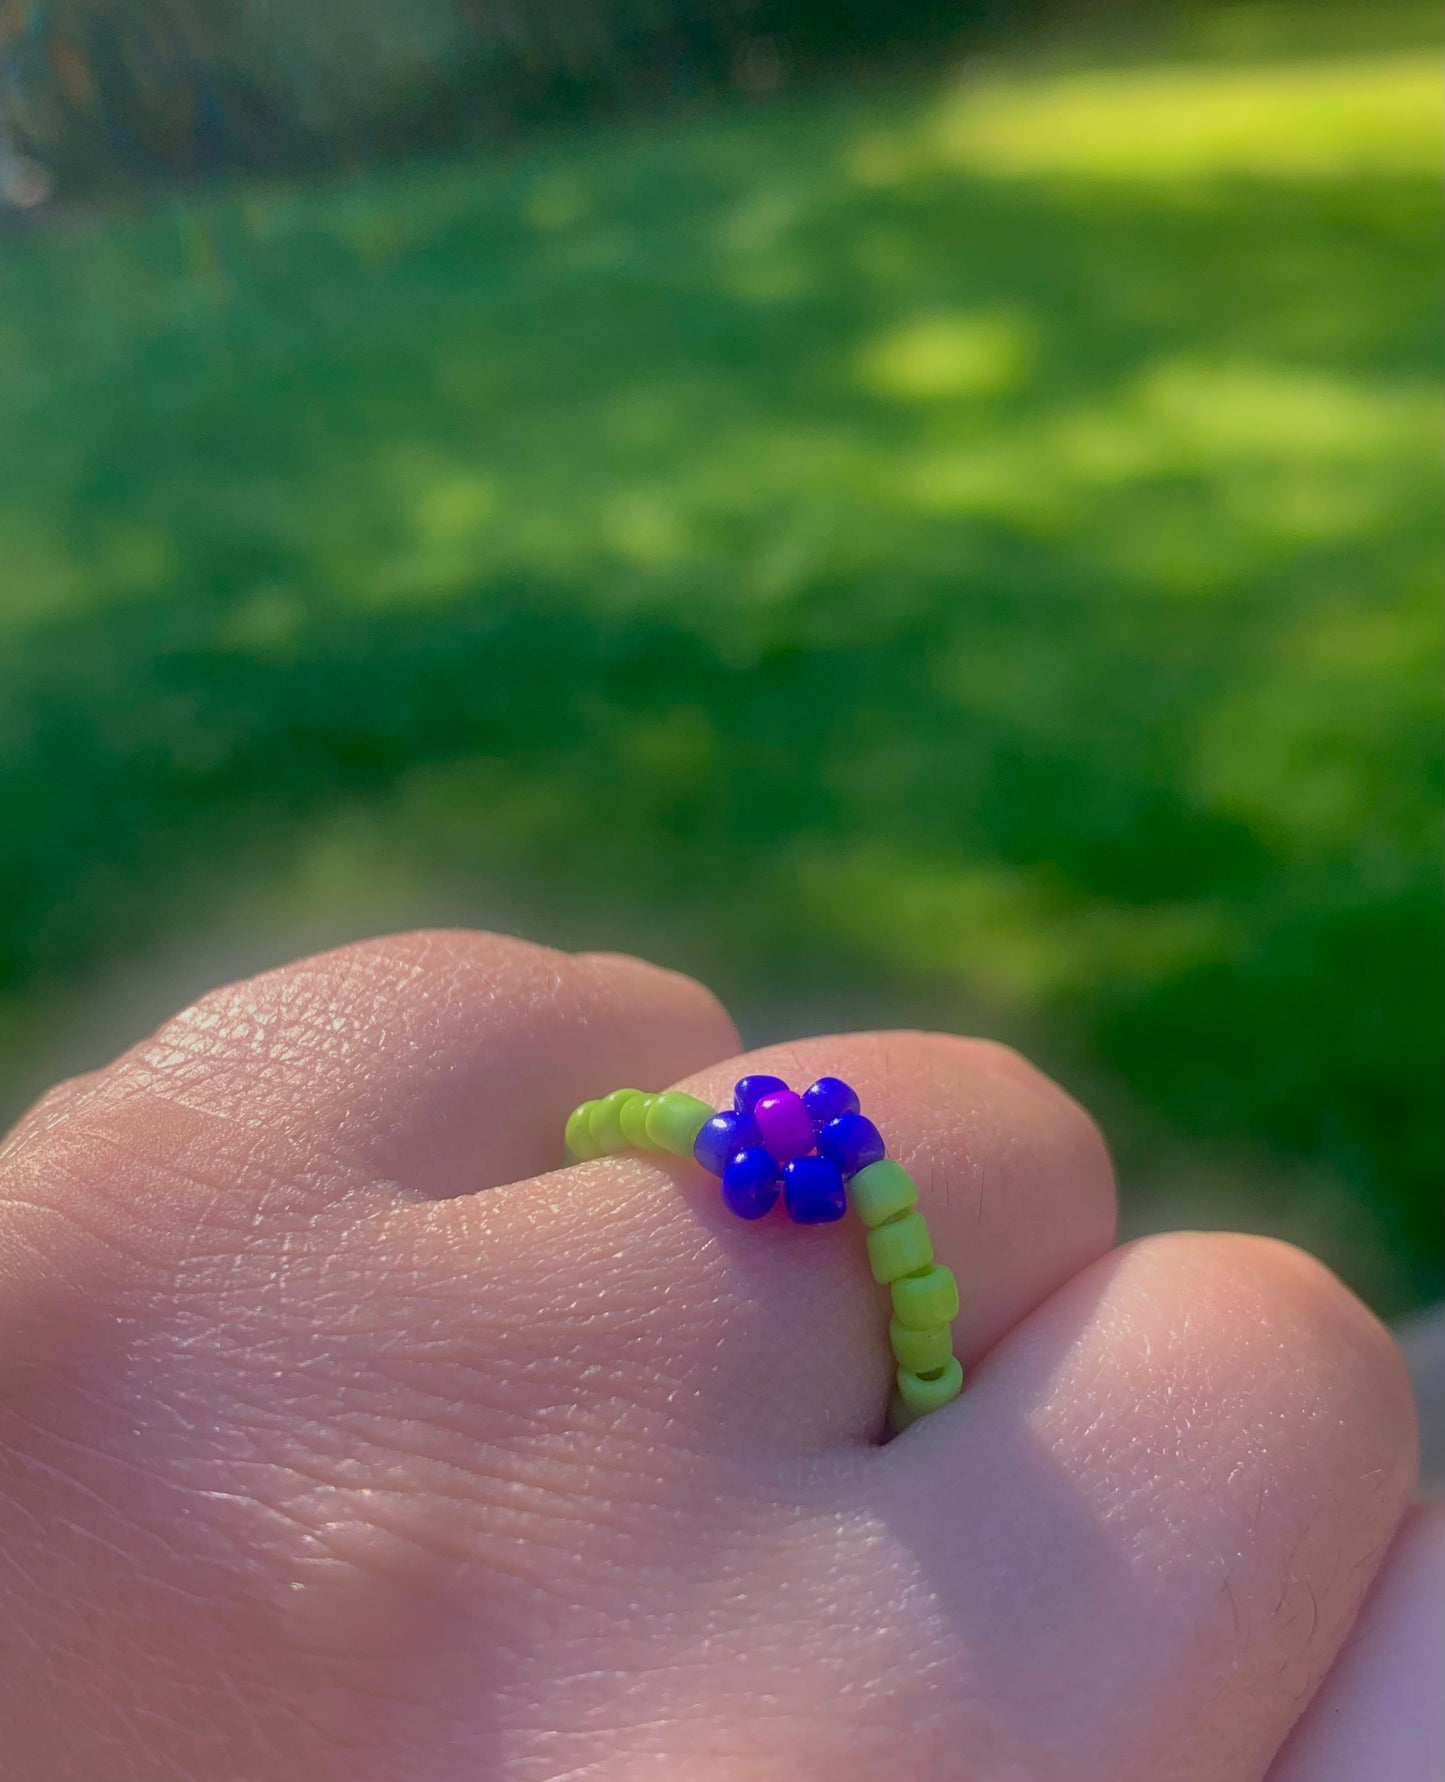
963 554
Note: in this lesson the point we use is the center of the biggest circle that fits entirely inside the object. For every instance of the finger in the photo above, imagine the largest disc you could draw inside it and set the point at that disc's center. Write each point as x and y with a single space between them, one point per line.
431 1063
1377 1713
1150 1522
772 1335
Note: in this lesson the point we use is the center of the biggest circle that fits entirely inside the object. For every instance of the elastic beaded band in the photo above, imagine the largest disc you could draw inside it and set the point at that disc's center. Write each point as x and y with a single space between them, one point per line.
818 1154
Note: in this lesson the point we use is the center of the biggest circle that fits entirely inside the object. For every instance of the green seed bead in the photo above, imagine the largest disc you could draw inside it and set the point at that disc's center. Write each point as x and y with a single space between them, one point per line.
580 1145
921 1351
605 1121
882 1191
633 1121
922 1395
675 1119
930 1297
901 1247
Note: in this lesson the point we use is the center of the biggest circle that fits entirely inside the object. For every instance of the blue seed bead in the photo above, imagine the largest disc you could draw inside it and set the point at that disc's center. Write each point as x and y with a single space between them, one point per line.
814 1190
828 1098
751 1090
722 1137
751 1182
852 1141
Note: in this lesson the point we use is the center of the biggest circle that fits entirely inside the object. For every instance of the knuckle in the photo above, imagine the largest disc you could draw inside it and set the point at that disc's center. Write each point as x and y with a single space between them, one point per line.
1076 1142
1334 1373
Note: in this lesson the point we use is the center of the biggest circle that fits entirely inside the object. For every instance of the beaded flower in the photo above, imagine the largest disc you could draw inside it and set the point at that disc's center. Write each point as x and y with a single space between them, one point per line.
818 1153
773 1142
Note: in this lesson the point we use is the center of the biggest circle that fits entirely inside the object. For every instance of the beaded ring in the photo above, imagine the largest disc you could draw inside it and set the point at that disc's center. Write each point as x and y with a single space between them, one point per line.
818 1154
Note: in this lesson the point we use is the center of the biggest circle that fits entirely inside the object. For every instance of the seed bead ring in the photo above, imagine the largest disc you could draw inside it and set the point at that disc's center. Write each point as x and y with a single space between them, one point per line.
819 1154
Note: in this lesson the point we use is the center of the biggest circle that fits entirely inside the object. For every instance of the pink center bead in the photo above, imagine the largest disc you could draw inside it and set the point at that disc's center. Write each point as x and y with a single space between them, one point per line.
783 1120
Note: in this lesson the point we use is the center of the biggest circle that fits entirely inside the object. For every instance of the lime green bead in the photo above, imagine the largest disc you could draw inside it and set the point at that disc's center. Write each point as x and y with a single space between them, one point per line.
581 1147
882 1191
921 1351
675 1119
922 1395
901 1247
930 1297
633 1121
605 1121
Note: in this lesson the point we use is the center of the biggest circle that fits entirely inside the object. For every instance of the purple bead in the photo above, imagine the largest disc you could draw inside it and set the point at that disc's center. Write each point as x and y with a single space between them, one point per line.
852 1141
750 1183
750 1090
722 1137
783 1121
827 1098
814 1190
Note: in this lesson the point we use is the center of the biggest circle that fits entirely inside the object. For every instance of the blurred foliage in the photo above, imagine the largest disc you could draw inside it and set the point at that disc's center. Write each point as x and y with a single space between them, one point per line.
963 555
106 92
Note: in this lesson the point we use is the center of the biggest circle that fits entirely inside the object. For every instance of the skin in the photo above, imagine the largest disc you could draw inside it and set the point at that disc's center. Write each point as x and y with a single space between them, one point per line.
345 1439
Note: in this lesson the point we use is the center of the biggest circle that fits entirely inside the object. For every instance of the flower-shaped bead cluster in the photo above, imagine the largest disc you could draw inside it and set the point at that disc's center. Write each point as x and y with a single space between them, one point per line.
774 1142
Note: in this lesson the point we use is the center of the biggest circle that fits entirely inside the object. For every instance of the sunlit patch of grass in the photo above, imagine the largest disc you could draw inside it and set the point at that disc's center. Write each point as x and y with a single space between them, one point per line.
1309 748
1219 413
1001 933
934 357
1155 126
647 526
1261 457
558 200
41 572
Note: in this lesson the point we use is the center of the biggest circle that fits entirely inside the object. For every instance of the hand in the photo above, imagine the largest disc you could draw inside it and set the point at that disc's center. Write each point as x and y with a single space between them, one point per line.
343 1438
